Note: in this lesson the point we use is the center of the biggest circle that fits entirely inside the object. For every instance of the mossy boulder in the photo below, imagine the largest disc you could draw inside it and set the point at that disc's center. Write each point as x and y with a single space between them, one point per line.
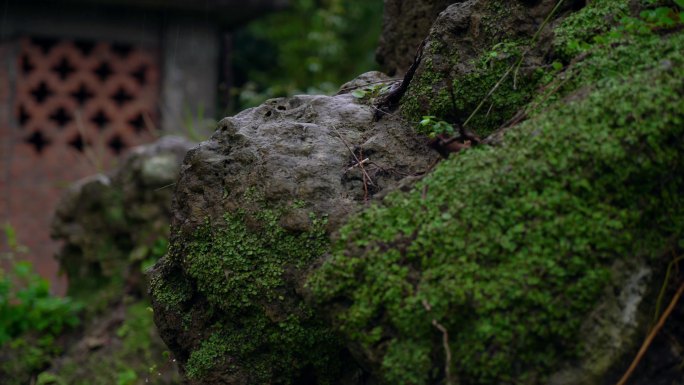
115 226
254 208
115 223
469 49
534 258
538 260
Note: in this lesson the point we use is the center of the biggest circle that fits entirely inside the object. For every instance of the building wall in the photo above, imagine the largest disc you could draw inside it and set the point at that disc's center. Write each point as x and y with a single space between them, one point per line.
80 86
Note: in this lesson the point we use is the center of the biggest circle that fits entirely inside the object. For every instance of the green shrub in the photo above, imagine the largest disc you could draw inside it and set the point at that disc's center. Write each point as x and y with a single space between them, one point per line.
30 317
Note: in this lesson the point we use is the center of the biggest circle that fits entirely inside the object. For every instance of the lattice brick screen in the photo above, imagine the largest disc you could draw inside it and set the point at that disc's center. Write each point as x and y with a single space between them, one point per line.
68 97
81 93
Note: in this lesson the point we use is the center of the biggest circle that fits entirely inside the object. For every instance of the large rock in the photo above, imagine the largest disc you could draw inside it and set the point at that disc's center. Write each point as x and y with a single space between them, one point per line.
111 222
469 48
254 208
114 226
538 261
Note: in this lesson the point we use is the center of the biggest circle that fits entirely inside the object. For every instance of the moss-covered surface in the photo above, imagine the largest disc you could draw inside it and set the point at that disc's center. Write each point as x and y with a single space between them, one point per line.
509 248
259 330
578 30
453 80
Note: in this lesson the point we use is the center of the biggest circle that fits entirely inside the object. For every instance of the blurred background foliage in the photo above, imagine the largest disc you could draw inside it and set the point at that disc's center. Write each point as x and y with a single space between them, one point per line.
312 48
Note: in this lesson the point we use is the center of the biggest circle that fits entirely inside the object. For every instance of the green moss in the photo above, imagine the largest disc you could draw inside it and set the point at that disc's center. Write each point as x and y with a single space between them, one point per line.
575 34
420 99
509 248
247 268
171 291
512 94
429 93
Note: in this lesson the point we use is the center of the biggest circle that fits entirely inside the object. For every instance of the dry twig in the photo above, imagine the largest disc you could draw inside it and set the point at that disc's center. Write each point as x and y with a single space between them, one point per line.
652 335
445 344
366 178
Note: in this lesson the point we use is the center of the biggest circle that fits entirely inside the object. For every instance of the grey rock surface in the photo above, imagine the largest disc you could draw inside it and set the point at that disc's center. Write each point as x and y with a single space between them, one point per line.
316 156
300 148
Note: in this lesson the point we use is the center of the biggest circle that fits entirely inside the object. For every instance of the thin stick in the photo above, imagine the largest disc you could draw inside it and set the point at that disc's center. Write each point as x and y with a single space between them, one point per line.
445 340
365 174
651 336
163 187
447 351
515 66
358 164
661 295
534 40
496 86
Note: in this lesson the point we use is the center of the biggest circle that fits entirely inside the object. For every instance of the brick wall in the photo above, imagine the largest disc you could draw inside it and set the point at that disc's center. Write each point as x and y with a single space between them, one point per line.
71 108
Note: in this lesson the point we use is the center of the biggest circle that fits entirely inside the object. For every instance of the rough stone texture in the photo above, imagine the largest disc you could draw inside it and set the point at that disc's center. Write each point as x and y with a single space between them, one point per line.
405 24
297 148
468 50
110 222
536 260
293 153
371 78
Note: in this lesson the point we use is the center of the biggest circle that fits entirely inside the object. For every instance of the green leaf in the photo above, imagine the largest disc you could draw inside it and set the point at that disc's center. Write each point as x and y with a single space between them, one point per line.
359 94
680 3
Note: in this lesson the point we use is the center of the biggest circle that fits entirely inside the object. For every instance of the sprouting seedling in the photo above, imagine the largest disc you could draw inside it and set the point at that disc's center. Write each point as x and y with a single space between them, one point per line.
432 127
372 91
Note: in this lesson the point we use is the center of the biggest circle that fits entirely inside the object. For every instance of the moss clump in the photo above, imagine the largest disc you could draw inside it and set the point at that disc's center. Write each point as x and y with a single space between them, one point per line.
575 34
427 95
454 98
509 248
512 94
248 268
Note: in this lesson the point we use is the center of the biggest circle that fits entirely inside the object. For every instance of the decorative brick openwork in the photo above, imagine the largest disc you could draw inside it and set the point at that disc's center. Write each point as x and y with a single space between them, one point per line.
74 107
80 94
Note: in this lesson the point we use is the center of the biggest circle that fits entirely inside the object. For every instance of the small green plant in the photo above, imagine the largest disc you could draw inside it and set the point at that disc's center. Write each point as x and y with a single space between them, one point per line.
25 301
30 317
649 21
371 91
432 127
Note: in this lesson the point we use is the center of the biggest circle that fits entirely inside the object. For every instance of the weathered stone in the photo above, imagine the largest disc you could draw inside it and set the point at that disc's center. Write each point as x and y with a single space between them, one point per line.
502 268
113 226
103 218
254 207
532 262
475 45
371 78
